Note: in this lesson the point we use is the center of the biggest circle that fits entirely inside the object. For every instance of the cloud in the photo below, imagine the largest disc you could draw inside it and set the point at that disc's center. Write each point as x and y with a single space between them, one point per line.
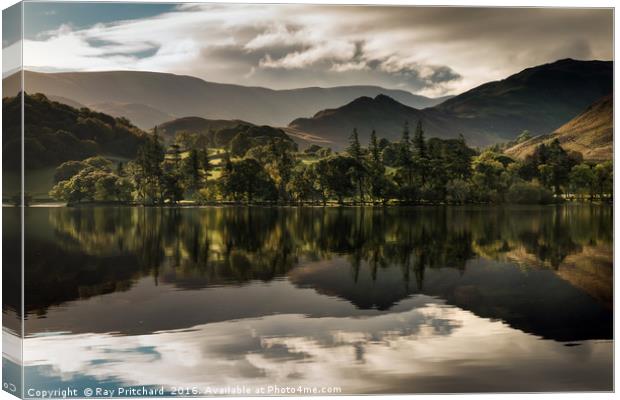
422 349
423 49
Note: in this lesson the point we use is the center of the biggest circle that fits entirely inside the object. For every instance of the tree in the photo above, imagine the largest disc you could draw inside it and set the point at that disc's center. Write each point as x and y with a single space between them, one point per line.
190 171
302 183
458 191
375 151
149 173
336 176
604 179
240 144
486 177
171 186
582 181
419 143
67 169
380 186
528 193
354 149
405 157
281 165
358 172
248 180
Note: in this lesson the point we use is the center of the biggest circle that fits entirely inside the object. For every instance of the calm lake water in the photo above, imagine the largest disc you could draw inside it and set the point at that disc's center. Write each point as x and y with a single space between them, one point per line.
368 300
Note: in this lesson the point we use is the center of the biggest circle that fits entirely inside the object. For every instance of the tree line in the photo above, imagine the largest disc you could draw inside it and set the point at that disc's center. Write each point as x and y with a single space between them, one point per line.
413 170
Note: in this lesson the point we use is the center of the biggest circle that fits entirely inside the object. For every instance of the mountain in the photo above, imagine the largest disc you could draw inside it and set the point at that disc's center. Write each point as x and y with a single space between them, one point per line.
382 113
591 133
178 95
538 99
142 115
55 132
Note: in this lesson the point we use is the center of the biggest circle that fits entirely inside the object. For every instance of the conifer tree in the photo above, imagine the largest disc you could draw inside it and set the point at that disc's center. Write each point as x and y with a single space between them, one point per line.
354 149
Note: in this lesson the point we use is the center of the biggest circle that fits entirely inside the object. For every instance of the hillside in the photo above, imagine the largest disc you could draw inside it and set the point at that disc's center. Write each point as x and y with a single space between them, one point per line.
538 99
178 95
382 113
141 115
169 129
55 132
590 133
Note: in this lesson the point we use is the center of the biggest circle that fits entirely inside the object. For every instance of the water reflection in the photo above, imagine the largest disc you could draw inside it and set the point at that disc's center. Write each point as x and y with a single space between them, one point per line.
259 292
431 348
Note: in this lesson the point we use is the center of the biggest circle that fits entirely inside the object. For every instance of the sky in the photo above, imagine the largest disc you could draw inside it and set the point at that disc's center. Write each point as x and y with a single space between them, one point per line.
432 51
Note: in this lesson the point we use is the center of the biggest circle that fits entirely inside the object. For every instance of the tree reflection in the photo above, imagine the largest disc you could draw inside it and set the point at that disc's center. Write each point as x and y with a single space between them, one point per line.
81 252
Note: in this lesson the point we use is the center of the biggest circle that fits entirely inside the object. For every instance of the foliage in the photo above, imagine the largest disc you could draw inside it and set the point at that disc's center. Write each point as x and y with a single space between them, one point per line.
528 193
260 169
55 132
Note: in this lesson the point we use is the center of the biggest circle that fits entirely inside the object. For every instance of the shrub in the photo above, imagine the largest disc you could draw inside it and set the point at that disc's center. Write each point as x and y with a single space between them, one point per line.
528 193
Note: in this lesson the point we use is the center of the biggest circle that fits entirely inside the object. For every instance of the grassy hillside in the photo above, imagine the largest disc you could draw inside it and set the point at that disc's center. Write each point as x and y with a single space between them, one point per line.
590 133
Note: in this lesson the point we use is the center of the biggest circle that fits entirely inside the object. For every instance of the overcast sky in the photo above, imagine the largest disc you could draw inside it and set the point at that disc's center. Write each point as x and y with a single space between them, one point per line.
431 51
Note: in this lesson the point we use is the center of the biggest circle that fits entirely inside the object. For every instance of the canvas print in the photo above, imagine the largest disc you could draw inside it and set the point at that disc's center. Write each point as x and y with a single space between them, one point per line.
215 199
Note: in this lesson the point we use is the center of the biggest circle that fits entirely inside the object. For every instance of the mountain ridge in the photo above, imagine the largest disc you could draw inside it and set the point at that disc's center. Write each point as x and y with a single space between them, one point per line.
184 95
539 99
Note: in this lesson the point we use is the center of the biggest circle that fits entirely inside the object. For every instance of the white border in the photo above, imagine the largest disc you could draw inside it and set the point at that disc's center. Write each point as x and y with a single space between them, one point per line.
481 3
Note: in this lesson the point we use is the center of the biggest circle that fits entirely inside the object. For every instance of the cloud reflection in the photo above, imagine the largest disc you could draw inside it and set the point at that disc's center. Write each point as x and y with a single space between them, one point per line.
435 348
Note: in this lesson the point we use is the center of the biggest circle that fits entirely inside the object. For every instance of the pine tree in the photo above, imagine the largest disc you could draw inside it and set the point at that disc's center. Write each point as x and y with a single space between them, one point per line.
418 141
404 153
375 151
355 150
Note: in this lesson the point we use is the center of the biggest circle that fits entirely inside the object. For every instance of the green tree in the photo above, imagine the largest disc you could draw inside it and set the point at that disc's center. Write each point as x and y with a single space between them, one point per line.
486 177
358 171
148 175
240 144
336 176
302 183
419 143
191 171
582 181
280 166
248 180
604 179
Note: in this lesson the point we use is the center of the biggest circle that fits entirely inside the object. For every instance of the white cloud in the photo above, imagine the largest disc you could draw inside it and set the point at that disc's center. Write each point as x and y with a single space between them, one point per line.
390 46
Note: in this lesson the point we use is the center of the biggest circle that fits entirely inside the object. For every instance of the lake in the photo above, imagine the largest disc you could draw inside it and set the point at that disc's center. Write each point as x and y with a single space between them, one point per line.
355 300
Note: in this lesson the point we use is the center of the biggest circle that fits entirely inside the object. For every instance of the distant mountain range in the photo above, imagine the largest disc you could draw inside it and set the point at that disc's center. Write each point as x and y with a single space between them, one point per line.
591 133
538 99
150 98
